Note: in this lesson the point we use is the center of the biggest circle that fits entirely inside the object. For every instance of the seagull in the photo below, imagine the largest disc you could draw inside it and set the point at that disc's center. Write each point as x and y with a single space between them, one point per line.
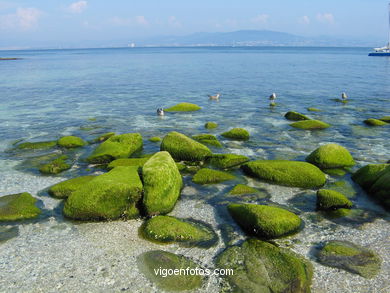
160 112
344 96
272 97
215 97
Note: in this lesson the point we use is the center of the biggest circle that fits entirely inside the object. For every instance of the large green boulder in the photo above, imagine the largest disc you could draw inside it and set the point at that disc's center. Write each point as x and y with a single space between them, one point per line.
184 148
332 200
71 142
226 161
116 147
183 107
139 162
258 266
106 197
36 145
331 156
169 229
310 125
162 184
288 173
159 267
207 139
55 166
375 122
350 257
368 175
19 206
103 137
65 188
237 134
209 176
295 116
380 190
265 221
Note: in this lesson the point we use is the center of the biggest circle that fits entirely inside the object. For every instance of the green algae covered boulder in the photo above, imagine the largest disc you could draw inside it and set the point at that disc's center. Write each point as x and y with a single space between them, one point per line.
350 257
156 264
162 184
55 166
374 122
210 125
36 145
265 221
116 147
183 107
103 137
106 197
260 266
311 109
139 162
183 148
368 175
71 142
331 156
288 173
385 119
310 125
155 139
65 188
207 139
380 190
243 189
19 206
168 229
295 116
226 161
236 134
332 200
209 176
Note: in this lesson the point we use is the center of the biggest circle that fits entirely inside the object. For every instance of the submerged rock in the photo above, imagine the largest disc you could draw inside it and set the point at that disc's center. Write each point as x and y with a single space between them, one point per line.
19 206
139 162
183 148
332 200
155 139
331 156
104 137
207 139
209 176
36 145
374 122
242 189
259 266
310 125
210 125
350 257
168 229
65 188
288 173
311 109
106 197
55 166
71 142
162 184
295 116
159 267
236 134
226 161
116 147
265 221
183 107
385 119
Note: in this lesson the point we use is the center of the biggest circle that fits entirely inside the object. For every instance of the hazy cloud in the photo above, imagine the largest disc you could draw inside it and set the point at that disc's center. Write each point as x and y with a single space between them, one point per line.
304 20
139 20
78 7
173 21
23 19
325 18
261 18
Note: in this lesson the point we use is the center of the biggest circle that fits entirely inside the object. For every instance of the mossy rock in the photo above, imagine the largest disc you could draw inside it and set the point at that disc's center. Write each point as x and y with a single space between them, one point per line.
65 188
19 206
207 139
295 116
180 166
287 173
311 109
310 125
380 190
332 200
343 186
209 176
71 142
243 189
116 147
104 137
331 156
339 172
55 166
157 263
350 257
374 122
36 145
260 266
168 229
139 162
265 221
183 148
226 161
210 125
106 197
183 107
162 184
368 175
385 119
155 139
236 134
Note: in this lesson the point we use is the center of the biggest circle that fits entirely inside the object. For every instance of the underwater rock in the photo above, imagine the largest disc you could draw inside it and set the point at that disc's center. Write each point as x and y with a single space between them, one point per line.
116 147
265 221
168 229
332 200
106 197
183 107
210 125
374 122
263 267
103 137
331 156
288 173
36 145
243 189
209 176
155 139
226 161
295 116
236 134
311 109
55 166
183 148
162 184
139 162
385 119
350 257
65 188
207 139
159 267
310 125
71 142
19 206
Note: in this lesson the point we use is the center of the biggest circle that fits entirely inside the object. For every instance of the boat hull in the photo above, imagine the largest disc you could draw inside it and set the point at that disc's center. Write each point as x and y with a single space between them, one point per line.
379 54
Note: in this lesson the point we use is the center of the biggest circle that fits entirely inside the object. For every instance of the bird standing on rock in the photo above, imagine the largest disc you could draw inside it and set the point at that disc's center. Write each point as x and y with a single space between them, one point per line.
344 96
160 112
272 97
215 97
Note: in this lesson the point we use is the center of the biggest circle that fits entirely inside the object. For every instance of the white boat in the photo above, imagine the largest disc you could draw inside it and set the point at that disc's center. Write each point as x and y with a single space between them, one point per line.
384 51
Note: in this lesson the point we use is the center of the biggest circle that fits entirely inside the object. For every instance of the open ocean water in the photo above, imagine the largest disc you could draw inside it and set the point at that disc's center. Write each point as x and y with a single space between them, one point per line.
86 92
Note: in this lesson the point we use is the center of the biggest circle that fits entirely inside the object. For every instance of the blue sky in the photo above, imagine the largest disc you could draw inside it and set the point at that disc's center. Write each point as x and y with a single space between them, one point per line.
47 22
